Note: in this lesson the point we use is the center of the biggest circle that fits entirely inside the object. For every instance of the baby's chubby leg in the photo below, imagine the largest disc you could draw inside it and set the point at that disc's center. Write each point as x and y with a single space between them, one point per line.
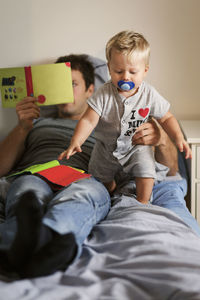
141 166
144 187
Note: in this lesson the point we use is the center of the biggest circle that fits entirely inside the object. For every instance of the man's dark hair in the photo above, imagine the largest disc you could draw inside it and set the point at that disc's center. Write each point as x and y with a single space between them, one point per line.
80 63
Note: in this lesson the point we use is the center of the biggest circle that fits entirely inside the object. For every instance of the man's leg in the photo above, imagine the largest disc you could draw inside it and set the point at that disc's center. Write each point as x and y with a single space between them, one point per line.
24 210
23 184
20 186
74 210
170 194
77 208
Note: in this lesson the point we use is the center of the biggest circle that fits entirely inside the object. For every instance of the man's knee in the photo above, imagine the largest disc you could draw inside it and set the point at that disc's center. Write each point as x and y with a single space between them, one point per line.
168 194
21 185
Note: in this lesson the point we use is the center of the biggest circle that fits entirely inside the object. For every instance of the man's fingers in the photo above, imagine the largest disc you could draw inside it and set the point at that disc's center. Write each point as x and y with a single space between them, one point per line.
142 133
28 114
147 134
145 129
144 140
27 109
27 106
27 102
145 137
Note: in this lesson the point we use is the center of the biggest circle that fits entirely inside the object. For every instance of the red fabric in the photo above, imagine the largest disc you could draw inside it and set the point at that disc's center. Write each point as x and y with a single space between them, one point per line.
62 175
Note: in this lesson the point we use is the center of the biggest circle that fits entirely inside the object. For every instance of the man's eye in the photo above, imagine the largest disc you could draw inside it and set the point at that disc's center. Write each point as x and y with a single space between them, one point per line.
74 84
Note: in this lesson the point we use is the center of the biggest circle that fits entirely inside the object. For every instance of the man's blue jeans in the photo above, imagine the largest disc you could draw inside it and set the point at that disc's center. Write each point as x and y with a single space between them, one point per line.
76 208
171 195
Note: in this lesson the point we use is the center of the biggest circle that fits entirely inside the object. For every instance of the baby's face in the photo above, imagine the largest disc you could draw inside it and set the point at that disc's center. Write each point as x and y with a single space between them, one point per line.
127 68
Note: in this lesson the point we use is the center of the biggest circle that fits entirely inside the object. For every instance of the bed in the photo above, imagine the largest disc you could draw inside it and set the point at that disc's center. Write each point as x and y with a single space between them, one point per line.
138 252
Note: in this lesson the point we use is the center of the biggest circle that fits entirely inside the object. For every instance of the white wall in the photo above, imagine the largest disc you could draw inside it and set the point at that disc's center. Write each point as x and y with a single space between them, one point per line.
38 31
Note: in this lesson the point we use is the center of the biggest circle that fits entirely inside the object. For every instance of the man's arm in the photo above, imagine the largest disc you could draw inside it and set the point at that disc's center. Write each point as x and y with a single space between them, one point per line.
151 133
12 147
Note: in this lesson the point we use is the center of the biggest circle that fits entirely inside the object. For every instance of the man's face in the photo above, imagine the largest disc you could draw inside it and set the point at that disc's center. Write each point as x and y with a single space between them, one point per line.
77 108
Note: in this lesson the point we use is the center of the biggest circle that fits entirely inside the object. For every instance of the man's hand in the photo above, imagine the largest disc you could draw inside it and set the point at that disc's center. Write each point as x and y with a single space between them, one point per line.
153 134
27 111
149 133
12 147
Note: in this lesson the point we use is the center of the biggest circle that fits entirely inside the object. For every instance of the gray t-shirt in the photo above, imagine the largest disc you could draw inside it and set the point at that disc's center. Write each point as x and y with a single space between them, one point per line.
48 138
119 118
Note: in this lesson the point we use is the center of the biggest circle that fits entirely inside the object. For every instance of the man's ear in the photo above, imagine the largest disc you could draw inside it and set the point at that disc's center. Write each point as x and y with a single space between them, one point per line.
90 90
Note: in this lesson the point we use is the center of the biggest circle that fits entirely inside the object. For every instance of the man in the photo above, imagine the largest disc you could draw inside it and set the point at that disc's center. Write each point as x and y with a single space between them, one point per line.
52 225
75 209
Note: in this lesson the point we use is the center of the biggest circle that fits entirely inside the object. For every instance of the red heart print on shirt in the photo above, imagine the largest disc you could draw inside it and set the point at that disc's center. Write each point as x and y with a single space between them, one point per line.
143 112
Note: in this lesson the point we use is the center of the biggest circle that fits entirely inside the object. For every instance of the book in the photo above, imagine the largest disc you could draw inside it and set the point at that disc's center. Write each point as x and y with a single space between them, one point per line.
62 175
55 174
51 83
37 168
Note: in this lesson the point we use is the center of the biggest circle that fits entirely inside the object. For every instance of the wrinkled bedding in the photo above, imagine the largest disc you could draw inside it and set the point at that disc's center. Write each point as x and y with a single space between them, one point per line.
138 252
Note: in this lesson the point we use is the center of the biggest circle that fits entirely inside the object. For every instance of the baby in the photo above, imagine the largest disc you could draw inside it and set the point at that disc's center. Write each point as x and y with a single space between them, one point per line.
117 109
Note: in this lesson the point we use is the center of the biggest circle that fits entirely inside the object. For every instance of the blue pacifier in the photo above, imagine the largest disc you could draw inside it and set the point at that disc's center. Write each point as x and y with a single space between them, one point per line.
126 85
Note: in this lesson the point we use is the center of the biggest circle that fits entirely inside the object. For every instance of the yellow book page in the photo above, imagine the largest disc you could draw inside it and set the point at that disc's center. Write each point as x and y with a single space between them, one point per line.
53 82
12 86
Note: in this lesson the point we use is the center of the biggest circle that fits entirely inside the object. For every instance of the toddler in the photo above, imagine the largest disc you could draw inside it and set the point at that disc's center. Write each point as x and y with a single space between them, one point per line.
117 109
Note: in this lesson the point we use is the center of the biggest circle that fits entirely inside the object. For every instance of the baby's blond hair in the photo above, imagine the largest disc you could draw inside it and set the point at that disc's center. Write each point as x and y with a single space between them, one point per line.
129 43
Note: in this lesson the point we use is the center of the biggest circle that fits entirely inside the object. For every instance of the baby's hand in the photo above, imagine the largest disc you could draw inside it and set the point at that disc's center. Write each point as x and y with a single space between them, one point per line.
183 146
71 150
